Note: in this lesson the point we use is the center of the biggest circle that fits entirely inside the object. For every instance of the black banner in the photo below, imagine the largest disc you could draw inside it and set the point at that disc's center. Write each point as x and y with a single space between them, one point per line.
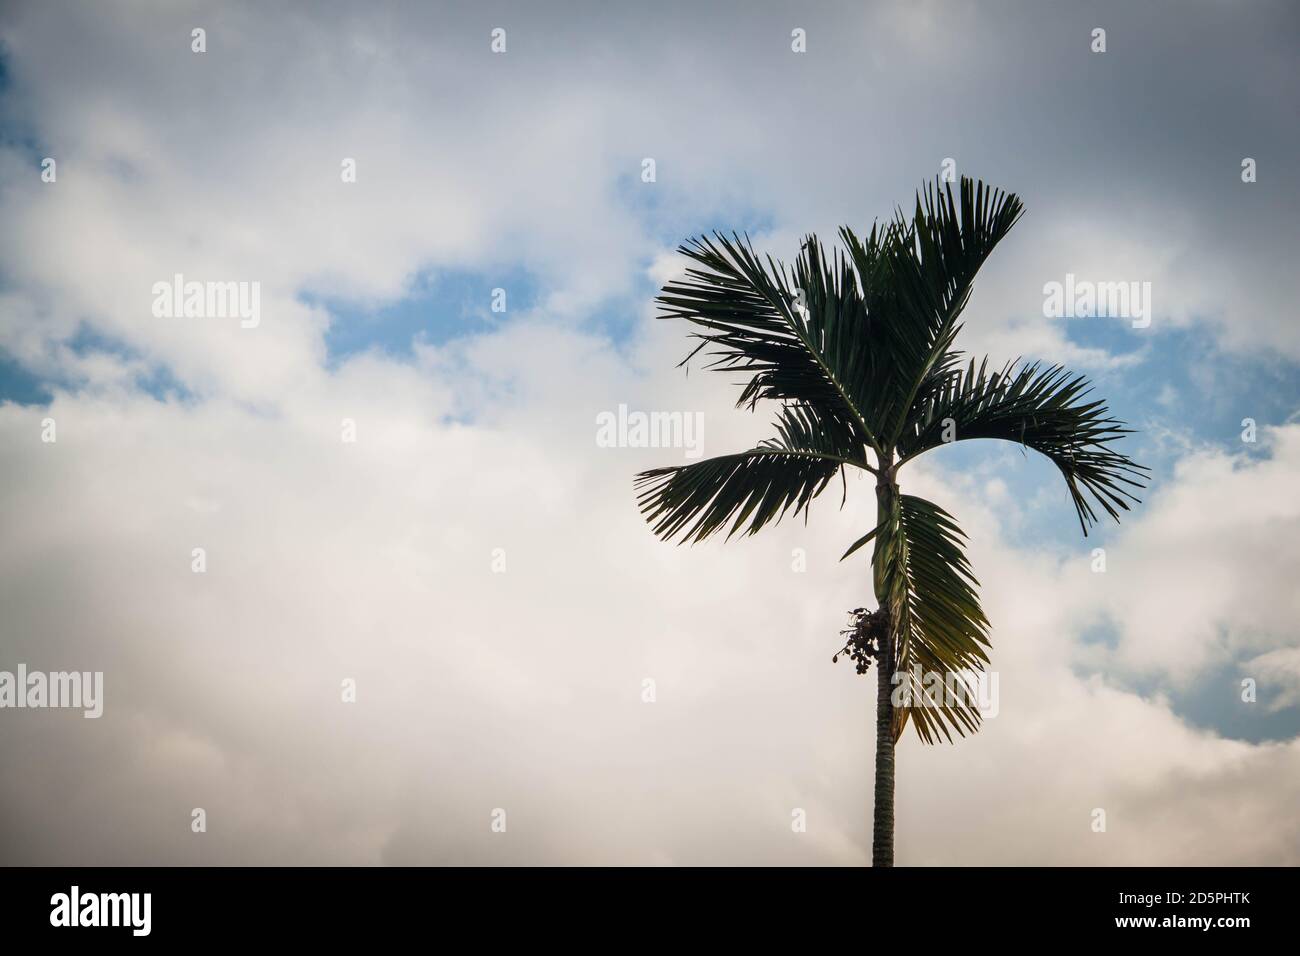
332 905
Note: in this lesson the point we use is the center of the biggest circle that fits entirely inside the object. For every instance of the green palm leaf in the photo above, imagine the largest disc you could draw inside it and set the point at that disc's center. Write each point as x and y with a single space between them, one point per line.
1041 407
924 578
933 260
800 335
750 489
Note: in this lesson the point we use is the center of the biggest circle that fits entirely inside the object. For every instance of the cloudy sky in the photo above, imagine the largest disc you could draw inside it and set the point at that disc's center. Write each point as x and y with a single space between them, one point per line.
474 561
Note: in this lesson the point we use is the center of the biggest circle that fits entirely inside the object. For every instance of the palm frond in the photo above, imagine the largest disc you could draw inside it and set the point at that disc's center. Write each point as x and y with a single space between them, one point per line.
811 350
897 347
924 578
1045 408
933 260
749 489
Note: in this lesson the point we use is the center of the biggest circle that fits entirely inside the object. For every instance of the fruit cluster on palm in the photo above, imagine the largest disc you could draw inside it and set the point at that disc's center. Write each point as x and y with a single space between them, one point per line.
857 347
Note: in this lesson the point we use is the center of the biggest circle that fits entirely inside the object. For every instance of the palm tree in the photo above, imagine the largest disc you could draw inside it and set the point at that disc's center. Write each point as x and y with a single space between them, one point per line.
858 350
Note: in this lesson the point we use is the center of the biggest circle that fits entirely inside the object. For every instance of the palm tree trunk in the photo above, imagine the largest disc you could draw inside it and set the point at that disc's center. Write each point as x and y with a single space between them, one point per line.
882 831
882 836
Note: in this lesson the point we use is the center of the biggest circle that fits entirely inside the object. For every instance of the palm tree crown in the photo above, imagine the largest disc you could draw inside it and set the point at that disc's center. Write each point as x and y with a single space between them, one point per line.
857 346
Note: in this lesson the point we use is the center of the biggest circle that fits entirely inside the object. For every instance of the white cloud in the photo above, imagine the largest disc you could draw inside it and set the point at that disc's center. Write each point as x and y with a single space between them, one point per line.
1283 667
470 160
1204 575
522 690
